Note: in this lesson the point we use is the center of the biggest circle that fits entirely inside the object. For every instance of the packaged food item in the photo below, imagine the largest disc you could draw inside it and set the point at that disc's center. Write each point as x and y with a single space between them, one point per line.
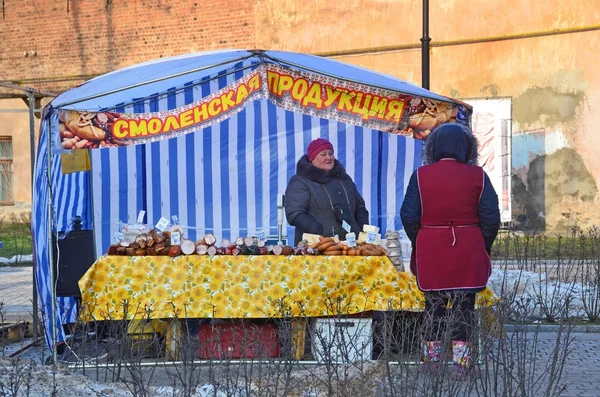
370 228
131 232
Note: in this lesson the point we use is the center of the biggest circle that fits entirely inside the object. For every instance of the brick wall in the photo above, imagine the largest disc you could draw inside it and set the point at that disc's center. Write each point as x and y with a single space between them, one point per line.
53 45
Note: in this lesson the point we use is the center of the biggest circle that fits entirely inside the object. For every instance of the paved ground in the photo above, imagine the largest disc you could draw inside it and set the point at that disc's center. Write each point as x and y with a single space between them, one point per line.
581 374
582 371
16 293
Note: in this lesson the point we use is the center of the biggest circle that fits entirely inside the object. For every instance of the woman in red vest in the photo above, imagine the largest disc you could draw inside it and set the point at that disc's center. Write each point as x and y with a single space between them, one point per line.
450 213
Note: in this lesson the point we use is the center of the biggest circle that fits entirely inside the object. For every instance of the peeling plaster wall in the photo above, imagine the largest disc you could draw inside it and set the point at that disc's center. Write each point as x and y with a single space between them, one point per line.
318 25
549 179
552 79
548 105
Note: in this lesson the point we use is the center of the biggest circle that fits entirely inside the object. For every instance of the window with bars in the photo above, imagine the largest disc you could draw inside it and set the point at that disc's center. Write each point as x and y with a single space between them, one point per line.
6 170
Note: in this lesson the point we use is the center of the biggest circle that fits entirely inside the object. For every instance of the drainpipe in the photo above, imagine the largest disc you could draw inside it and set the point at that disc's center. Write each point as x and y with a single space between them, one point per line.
425 40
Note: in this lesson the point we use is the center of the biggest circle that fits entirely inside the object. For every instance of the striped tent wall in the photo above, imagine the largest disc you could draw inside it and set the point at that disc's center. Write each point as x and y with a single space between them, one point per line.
70 197
223 179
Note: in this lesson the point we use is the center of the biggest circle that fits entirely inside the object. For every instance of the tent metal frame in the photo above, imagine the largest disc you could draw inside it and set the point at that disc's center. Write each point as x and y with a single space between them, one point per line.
53 108
31 94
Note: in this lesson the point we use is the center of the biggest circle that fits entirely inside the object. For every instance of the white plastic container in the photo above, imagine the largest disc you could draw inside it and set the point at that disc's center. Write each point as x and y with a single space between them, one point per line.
406 248
343 339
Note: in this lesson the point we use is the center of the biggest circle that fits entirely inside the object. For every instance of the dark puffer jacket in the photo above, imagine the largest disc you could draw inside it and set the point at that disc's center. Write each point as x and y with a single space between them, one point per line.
312 196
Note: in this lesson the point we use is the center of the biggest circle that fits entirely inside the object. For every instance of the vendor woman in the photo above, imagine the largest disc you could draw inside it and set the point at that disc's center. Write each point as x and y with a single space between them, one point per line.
321 198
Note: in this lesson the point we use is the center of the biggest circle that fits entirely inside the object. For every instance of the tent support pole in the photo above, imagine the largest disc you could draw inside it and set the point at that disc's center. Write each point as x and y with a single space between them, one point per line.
31 100
50 244
94 239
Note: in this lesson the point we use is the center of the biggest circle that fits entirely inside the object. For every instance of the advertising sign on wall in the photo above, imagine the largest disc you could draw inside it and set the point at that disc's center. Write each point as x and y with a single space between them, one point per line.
491 123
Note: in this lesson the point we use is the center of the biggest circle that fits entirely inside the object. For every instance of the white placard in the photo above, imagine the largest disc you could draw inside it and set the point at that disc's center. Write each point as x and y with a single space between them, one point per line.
140 217
351 239
162 224
260 235
175 238
372 237
346 226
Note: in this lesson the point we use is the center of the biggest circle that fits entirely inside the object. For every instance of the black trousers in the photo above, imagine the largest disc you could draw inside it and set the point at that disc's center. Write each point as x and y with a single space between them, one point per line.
448 311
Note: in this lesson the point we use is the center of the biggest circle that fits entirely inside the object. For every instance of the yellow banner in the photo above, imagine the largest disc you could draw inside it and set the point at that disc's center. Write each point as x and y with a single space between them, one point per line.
302 92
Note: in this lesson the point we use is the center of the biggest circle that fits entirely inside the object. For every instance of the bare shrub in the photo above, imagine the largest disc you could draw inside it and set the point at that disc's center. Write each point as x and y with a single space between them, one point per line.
538 278
17 380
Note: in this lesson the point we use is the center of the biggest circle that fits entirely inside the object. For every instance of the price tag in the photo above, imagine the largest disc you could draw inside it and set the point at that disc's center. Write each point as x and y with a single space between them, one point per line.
260 235
118 237
351 239
162 224
140 217
372 237
175 219
175 238
346 226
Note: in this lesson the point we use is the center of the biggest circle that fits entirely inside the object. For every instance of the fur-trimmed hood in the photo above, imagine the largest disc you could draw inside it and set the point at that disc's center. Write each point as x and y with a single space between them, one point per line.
306 169
451 140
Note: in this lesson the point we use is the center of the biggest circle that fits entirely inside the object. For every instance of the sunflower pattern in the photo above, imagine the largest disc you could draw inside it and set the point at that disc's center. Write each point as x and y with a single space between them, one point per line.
119 287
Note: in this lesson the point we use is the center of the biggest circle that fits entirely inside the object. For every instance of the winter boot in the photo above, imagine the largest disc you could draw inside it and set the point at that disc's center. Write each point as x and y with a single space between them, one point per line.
432 352
462 366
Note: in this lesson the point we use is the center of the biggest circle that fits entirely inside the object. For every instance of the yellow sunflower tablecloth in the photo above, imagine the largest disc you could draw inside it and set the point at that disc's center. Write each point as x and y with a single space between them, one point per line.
121 287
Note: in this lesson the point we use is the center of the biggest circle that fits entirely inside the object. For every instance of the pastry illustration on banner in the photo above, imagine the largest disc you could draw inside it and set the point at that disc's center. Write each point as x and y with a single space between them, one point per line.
87 130
422 115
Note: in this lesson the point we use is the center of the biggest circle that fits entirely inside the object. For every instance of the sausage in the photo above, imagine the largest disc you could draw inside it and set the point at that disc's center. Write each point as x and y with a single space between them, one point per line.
325 240
326 245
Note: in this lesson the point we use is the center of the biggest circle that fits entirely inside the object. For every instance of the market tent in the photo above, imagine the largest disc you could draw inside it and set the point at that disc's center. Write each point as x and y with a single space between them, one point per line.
222 173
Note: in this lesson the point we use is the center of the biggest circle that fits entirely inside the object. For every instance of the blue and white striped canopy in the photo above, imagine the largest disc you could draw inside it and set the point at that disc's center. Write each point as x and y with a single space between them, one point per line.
223 179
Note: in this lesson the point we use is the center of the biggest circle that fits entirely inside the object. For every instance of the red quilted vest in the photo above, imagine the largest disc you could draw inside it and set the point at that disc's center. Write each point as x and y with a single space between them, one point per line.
450 250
